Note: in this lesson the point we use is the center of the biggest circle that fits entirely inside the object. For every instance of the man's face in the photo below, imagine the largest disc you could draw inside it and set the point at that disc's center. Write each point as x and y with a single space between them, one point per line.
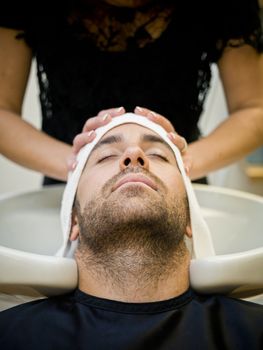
131 165
131 193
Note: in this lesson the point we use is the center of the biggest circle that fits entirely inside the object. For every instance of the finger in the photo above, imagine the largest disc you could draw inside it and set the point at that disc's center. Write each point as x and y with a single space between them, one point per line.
103 117
114 112
179 141
72 162
141 111
82 139
188 164
96 122
155 117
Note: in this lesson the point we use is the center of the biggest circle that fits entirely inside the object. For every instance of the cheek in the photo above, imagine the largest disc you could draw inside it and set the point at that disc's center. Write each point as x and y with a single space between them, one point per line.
177 181
171 177
92 182
89 187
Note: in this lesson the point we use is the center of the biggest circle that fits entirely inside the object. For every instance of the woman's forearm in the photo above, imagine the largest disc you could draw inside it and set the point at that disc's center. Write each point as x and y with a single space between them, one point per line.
236 137
31 148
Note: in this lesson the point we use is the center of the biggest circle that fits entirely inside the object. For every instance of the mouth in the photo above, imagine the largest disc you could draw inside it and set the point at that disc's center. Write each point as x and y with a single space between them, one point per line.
135 178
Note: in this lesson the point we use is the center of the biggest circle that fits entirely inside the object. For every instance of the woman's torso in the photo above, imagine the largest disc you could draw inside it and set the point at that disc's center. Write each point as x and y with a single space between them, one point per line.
148 57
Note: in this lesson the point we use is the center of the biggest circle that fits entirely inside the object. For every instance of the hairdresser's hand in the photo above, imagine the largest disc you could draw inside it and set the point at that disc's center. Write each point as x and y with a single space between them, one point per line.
88 133
178 140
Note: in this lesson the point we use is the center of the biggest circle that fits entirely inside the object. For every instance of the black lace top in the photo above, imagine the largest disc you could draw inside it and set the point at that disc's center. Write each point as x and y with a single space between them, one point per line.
91 56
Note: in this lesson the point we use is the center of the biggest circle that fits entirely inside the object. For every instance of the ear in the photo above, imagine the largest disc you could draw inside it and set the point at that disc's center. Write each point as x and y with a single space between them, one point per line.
189 231
74 232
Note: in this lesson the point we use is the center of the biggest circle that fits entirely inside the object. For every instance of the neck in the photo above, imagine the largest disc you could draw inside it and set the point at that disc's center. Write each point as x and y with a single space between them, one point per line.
131 277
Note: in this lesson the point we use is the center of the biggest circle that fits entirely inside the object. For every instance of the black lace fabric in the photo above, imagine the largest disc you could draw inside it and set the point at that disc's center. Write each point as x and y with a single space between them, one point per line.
116 29
93 56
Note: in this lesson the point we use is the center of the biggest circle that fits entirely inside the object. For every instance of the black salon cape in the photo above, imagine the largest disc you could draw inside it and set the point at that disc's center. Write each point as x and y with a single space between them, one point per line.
81 321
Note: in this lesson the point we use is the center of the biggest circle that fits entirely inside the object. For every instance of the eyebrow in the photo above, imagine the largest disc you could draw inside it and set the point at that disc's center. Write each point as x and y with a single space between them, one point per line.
109 140
156 139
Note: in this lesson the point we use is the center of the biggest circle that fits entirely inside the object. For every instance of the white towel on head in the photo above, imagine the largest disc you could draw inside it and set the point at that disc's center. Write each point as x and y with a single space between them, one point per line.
202 242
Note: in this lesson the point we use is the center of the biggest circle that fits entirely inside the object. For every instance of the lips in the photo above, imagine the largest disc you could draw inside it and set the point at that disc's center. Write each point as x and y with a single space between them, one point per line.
132 178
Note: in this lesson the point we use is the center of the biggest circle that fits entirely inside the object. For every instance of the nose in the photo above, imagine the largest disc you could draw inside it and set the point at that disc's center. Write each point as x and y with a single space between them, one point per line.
134 157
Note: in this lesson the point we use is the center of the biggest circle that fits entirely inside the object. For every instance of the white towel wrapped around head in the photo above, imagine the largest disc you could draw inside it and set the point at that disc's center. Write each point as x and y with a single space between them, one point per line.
202 242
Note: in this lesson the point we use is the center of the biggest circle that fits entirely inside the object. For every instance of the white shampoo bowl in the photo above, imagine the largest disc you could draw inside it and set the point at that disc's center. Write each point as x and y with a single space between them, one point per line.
235 220
30 234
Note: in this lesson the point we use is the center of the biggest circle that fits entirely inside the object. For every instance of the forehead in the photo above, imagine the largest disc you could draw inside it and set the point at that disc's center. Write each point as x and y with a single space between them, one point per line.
129 132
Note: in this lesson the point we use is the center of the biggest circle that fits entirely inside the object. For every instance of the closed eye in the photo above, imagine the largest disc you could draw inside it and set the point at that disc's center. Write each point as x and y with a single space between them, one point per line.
159 156
106 158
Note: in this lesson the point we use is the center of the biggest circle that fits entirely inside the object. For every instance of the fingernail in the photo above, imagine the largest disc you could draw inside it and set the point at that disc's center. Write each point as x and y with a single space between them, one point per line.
105 116
69 163
140 109
172 135
118 110
91 133
153 114
186 168
185 145
74 164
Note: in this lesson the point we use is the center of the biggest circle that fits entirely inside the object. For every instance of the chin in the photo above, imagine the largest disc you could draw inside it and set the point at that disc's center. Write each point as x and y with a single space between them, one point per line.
135 205
136 189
